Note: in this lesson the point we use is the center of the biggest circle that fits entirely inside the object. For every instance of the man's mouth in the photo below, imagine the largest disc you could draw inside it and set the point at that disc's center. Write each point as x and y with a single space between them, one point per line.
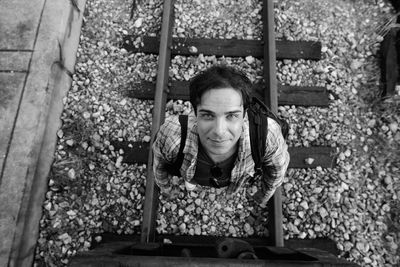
218 141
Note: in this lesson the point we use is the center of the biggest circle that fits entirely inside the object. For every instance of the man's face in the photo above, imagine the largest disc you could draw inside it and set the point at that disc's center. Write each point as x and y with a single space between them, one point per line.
220 117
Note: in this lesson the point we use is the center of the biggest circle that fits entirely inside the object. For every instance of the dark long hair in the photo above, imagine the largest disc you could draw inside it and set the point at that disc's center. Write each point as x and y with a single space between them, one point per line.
219 77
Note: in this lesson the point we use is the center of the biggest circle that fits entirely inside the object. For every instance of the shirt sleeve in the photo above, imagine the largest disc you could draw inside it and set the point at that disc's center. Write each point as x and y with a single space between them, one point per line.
165 150
275 161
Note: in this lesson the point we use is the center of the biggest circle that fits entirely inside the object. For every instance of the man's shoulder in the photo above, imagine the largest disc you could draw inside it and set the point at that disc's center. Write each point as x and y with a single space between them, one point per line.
173 126
273 125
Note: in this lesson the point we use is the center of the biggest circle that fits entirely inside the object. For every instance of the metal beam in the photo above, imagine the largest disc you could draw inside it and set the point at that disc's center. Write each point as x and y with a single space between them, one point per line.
151 197
271 100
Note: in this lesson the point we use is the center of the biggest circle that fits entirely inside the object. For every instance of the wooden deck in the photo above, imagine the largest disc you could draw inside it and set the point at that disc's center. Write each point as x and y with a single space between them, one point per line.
31 91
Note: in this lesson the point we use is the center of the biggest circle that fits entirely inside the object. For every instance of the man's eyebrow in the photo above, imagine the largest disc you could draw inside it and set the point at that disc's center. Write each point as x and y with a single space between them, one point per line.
234 111
227 113
205 110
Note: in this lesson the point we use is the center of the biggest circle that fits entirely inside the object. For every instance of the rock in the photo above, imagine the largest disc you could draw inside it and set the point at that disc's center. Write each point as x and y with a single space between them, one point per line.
65 238
86 115
250 59
60 133
355 65
173 207
248 229
123 102
393 127
119 161
323 212
309 161
182 227
190 208
71 174
347 246
193 50
197 230
317 190
304 204
138 23
198 202
232 230
301 214
388 180
211 197
181 213
371 123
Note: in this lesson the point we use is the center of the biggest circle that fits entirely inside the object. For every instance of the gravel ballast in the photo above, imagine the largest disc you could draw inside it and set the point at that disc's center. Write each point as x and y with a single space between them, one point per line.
356 204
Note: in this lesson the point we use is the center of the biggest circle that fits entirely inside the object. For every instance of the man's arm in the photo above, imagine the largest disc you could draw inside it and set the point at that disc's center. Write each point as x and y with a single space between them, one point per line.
165 148
275 161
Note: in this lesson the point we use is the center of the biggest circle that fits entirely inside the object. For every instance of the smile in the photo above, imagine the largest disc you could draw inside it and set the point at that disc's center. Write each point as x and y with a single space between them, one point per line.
218 141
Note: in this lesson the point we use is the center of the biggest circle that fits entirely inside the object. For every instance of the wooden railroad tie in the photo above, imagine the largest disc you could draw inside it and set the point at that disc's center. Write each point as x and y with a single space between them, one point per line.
287 95
227 47
137 152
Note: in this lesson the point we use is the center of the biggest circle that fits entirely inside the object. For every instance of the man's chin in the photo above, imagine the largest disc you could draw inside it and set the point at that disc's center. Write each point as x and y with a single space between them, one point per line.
219 150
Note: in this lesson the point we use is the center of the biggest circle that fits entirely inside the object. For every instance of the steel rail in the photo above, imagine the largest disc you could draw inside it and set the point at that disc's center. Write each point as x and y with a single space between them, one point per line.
271 100
164 58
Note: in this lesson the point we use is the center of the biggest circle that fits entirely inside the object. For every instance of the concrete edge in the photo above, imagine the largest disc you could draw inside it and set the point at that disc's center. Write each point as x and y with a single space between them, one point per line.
27 230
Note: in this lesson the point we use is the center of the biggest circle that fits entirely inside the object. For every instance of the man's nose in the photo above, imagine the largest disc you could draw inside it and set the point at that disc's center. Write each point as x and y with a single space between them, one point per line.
220 127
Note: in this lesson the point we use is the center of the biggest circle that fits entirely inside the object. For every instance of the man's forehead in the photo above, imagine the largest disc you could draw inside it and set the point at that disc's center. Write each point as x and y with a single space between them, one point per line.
221 101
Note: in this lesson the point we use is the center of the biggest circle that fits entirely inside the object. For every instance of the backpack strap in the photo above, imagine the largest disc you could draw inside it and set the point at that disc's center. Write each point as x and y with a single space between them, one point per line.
258 114
258 128
174 168
183 120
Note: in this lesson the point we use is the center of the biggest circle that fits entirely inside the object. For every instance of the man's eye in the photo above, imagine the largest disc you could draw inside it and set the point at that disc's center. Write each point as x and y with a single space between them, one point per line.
233 116
206 116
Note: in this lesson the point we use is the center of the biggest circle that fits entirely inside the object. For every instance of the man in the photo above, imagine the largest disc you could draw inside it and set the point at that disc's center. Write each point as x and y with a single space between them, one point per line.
217 149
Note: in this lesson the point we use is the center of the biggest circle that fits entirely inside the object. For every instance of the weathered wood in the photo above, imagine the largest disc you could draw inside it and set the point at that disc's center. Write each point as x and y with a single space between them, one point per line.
11 87
18 24
137 152
14 61
322 156
229 47
287 95
123 253
390 63
324 244
24 180
151 197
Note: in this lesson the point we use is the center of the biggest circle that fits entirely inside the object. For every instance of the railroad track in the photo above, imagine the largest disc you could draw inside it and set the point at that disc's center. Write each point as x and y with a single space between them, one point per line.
273 95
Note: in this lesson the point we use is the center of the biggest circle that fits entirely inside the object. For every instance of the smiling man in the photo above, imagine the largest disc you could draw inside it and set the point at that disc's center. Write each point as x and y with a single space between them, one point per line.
217 150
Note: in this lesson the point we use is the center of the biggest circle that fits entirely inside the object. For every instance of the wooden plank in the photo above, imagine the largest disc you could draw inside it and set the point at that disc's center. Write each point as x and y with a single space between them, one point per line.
137 152
324 244
229 47
33 144
14 61
287 95
303 96
322 156
11 87
120 253
390 68
151 197
19 22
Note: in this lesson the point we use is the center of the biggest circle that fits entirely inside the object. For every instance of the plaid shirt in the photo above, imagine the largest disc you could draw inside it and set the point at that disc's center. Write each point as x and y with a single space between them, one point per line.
166 148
